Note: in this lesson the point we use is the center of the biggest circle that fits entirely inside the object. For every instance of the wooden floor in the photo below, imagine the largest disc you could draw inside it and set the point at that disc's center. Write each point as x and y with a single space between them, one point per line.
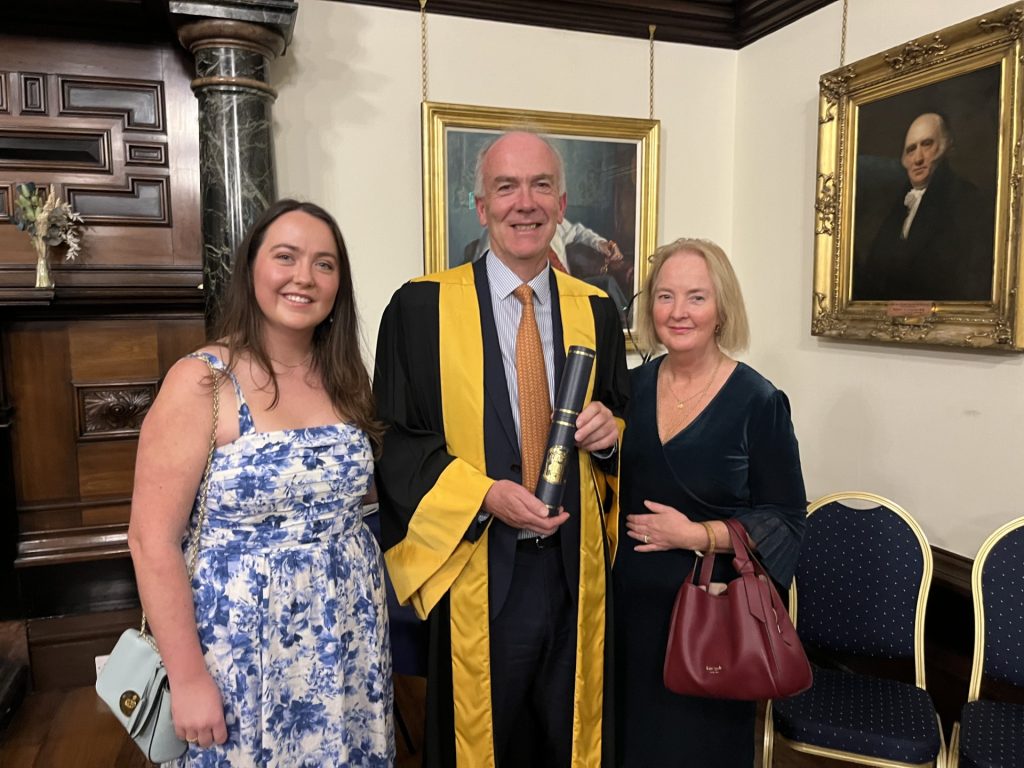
73 729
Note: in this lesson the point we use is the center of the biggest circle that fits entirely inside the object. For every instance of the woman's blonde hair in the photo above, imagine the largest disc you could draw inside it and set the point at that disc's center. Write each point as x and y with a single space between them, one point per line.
733 332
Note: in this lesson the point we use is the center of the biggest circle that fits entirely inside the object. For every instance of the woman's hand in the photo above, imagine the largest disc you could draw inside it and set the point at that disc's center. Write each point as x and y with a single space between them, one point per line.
198 711
666 528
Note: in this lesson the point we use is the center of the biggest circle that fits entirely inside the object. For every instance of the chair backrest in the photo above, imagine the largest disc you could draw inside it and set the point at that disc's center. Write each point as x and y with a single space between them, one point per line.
863 579
997 581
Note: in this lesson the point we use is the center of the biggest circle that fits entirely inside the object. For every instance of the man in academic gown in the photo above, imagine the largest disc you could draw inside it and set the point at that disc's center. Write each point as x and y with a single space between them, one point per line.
516 600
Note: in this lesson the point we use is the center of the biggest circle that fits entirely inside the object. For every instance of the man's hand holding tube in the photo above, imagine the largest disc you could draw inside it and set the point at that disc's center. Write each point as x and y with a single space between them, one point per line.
511 503
596 429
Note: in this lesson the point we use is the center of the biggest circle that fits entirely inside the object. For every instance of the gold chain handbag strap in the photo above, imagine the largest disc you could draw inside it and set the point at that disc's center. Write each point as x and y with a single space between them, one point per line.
204 486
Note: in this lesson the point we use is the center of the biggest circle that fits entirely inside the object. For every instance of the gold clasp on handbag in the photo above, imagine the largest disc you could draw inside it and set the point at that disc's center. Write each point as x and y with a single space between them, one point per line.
129 701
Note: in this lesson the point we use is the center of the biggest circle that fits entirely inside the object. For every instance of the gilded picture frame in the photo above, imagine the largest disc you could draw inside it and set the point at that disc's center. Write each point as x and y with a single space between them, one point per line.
611 184
917 210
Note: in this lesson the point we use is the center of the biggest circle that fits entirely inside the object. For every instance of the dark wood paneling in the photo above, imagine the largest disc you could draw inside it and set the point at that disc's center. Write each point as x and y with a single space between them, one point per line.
80 586
64 649
61 148
178 338
140 21
717 23
39 372
183 157
9 607
949 634
758 18
952 570
81 362
76 541
142 207
112 410
720 23
94 516
101 351
139 105
106 468
143 200
143 153
92 292
69 482
33 93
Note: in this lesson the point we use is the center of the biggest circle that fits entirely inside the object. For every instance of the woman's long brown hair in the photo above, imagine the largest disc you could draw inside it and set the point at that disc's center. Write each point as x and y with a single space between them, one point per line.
337 356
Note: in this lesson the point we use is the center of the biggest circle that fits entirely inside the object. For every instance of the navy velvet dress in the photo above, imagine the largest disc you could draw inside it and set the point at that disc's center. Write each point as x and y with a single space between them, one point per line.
738 458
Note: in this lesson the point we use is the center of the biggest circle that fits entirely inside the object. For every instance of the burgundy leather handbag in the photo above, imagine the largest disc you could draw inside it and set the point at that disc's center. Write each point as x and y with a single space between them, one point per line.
739 644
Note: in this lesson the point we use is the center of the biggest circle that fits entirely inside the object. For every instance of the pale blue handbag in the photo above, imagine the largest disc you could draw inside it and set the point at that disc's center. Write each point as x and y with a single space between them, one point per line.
133 683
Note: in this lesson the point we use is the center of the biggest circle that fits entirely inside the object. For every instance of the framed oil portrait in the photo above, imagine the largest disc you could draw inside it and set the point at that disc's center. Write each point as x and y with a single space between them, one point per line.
918 204
611 166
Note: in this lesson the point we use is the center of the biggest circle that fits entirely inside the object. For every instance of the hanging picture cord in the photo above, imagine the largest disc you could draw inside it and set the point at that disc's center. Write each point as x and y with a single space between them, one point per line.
842 40
650 101
423 46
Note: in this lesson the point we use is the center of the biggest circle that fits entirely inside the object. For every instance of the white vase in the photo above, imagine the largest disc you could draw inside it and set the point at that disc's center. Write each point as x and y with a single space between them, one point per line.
43 279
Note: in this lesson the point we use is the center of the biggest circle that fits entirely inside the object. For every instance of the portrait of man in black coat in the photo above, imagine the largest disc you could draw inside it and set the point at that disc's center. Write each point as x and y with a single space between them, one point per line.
936 241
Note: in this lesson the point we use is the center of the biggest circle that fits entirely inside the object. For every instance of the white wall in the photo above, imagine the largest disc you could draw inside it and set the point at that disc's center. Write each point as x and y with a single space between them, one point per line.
937 431
942 433
347 121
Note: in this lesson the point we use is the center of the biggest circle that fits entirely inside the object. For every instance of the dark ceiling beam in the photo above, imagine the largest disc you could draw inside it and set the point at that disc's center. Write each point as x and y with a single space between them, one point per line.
716 23
759 18
136 21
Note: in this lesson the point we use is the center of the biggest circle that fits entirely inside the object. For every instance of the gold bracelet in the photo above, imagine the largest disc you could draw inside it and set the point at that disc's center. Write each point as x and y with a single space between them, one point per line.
712 544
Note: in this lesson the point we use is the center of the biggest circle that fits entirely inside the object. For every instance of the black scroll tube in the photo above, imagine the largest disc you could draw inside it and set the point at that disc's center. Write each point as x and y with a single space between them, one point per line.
579 362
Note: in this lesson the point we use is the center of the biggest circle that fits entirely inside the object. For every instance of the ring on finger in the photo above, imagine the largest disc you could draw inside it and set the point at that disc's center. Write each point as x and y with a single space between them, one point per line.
647 539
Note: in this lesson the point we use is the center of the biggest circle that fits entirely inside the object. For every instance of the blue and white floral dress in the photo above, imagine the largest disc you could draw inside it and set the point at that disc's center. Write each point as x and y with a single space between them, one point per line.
290 601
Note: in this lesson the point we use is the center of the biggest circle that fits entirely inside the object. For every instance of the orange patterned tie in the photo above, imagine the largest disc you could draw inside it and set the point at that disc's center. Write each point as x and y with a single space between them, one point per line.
534 404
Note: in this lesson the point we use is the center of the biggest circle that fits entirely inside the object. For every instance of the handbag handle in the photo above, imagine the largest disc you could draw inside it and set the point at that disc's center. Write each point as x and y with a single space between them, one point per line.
768 604
750 570
762 603
204 487
742 558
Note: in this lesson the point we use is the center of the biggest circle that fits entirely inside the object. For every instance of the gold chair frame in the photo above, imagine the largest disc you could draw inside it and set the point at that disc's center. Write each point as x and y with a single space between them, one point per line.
977 665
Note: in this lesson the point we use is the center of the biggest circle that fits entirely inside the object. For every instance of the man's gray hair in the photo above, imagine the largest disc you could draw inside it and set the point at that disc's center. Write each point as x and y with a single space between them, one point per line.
478 176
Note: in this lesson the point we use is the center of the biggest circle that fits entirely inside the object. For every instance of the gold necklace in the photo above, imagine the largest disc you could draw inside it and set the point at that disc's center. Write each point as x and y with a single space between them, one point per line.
302 362
681 404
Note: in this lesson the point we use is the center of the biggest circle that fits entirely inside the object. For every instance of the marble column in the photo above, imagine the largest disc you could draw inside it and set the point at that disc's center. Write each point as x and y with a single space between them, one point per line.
236 149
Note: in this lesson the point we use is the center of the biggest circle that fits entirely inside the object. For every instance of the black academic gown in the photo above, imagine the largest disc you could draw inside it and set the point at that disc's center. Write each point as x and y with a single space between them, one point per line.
441 391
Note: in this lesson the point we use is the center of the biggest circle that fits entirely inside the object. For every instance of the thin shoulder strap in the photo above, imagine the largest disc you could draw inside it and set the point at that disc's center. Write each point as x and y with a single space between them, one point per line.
245 423
204 485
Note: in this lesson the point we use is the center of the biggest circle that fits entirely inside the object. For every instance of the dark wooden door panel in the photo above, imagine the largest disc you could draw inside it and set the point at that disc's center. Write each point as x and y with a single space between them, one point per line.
80 390
114 129
39 372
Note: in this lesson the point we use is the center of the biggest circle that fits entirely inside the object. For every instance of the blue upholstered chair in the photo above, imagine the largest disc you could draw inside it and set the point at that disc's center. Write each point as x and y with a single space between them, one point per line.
990 734
409 635
863 581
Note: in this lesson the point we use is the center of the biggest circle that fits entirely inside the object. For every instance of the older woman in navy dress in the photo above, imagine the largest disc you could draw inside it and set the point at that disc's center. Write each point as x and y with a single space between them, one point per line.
707 439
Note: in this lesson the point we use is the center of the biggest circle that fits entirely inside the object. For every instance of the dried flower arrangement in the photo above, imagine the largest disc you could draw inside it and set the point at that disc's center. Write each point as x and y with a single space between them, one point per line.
48 221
